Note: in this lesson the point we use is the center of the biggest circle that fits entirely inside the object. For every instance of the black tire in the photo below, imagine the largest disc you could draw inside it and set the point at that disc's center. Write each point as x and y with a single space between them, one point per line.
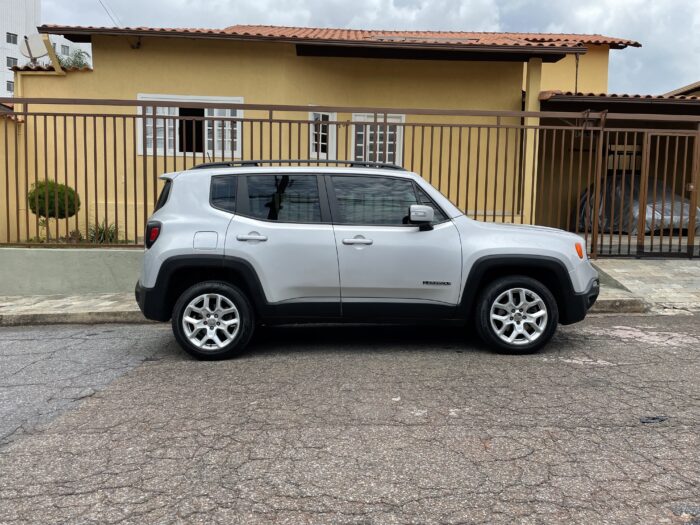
238 339
488 330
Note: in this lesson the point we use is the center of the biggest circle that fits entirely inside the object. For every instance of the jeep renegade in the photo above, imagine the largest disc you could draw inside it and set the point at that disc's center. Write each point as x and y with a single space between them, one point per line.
231 246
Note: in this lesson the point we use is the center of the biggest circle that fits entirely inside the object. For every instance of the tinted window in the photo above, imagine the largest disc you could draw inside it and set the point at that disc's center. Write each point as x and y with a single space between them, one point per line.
373 200
163 197
285 198
223 192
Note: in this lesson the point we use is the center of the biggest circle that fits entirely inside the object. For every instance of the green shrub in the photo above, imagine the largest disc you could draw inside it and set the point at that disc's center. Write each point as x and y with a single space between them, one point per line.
49 199
103 233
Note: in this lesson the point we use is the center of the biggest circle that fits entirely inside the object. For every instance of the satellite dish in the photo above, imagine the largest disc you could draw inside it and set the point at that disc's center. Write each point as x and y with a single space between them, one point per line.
33 47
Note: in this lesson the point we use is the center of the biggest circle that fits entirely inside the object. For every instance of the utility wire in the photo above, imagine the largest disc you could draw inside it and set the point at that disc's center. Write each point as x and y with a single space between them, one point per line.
116 22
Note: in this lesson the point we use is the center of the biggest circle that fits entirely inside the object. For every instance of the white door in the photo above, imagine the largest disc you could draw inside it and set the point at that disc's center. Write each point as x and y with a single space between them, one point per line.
383 259
282 228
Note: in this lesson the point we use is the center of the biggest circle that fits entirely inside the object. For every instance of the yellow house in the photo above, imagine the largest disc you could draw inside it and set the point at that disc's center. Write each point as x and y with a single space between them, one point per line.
265 92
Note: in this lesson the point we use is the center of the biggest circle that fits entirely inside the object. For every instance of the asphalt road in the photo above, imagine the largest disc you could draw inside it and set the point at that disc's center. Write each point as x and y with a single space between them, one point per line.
108 423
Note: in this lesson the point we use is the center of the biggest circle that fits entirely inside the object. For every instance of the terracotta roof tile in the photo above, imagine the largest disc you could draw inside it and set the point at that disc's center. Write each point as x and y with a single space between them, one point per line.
695 86
44 67
380 37
452 37
549 95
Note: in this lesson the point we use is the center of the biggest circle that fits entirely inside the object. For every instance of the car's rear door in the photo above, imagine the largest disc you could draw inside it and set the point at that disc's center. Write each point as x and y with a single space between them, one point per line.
282 228
389 268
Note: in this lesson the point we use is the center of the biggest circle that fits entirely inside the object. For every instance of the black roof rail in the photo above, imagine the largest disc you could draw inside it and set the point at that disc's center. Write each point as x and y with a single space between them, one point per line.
249 163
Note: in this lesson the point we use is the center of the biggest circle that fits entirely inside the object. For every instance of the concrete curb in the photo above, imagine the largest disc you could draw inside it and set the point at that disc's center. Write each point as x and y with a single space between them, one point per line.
604 305
123 316
619 305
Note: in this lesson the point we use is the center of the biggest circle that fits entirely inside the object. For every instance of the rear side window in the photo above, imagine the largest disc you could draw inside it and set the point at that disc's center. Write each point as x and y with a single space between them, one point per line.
164 194
284 198
223 192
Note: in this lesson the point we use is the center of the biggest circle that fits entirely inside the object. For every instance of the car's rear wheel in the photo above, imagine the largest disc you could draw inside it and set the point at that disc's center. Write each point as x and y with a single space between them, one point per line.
516 315
212 320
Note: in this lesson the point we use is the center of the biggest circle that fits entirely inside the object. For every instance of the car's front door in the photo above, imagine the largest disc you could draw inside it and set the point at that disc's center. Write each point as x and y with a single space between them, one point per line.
387 265
282 229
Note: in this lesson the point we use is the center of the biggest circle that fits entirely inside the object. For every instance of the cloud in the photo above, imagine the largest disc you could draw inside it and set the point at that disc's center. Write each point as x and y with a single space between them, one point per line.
668 29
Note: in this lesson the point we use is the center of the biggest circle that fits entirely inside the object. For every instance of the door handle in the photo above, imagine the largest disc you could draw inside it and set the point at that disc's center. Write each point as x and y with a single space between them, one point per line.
252 237
358 241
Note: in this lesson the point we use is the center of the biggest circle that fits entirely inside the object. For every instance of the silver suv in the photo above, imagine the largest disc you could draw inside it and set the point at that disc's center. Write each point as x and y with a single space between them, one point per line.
234 245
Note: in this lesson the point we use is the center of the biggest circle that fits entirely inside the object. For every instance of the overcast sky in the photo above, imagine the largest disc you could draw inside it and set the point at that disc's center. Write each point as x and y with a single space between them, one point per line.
669 30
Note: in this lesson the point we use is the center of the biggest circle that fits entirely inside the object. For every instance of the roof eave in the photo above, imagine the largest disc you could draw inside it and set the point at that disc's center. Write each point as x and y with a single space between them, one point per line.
84 34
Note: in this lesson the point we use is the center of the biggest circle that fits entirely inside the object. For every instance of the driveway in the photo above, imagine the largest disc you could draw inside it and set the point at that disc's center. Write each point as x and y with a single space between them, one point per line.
114 423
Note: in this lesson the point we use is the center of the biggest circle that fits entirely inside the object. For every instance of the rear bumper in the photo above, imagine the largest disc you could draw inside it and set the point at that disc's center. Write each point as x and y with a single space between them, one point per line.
578 304
150 303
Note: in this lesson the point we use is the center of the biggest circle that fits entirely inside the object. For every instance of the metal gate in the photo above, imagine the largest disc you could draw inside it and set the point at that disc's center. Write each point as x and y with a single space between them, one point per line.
646 194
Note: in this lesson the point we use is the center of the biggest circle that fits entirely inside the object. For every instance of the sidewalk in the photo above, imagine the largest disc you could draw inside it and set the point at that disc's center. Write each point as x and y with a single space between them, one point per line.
627 286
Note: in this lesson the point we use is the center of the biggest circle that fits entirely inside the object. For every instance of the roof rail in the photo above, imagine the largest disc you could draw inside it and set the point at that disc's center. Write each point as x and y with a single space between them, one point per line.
248 163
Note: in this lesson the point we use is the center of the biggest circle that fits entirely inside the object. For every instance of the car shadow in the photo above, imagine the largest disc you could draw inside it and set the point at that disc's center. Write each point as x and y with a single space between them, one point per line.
354 337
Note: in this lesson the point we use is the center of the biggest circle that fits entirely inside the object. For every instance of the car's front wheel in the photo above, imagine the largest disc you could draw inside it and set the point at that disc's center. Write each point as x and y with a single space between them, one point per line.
212 320
516 315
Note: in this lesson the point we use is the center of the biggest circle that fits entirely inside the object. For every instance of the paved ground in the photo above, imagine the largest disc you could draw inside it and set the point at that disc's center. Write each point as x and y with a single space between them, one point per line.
665 283
352 425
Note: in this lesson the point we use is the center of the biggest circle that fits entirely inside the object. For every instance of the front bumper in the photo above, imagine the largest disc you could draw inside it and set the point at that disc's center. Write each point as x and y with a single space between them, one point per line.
577 305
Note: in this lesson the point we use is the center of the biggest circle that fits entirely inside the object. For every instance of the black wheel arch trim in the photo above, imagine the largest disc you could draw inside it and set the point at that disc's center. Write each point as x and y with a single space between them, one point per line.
572 306
156 303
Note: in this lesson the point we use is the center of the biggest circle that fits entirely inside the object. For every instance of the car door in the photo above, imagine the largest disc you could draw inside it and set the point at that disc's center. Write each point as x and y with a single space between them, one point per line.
383 261
282 228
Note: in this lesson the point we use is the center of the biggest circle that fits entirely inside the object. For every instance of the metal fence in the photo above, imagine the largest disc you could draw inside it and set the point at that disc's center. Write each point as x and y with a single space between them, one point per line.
625 183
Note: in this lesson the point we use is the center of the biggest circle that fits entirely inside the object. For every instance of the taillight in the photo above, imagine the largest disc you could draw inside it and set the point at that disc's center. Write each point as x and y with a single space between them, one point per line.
152 233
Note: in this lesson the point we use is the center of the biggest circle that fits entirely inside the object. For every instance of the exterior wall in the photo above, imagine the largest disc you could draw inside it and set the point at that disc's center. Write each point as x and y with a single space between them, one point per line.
116 183
272 73
592 72
36 271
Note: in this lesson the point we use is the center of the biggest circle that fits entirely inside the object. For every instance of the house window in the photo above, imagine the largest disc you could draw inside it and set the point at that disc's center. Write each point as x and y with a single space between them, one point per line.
322 135
11 38
10 86
377 140
210 131
11 62
65 50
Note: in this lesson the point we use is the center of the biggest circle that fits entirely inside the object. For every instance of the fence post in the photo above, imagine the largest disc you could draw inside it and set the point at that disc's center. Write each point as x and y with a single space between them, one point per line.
533 81
693 191
597 188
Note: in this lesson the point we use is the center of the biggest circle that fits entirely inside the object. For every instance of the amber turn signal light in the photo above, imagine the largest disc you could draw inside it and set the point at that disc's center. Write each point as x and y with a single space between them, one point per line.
579 250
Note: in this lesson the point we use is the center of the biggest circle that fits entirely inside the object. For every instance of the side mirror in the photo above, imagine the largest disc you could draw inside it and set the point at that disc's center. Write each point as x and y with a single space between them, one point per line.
422 216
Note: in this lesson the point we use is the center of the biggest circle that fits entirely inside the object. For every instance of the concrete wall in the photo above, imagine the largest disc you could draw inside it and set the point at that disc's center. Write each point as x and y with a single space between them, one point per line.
46 271
592 72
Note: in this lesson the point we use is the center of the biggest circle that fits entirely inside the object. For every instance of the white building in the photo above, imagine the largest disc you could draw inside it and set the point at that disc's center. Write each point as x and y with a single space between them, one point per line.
17 19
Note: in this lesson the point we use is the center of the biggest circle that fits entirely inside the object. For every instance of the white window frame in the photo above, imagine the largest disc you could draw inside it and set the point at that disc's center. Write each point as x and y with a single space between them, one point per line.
392 118
332 133
11 38
11 61
9 83
65 50
165 150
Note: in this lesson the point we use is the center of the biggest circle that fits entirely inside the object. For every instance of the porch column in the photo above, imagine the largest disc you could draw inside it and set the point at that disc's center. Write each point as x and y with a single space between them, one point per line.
533 83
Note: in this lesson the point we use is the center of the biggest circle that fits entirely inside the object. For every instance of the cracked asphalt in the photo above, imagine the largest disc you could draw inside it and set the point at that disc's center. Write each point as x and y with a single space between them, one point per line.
115 424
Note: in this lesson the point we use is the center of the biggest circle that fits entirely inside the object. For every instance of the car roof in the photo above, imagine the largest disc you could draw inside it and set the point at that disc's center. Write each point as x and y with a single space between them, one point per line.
275 170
